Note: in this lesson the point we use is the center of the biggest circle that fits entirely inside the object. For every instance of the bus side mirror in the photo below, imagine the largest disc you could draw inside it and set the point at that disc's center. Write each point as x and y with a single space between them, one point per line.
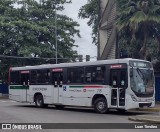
131 72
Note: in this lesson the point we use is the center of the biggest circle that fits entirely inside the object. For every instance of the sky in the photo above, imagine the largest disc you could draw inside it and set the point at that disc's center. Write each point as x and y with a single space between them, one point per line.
85 42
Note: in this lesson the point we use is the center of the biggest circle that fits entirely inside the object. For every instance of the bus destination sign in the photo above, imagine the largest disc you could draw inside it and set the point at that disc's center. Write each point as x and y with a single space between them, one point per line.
140 64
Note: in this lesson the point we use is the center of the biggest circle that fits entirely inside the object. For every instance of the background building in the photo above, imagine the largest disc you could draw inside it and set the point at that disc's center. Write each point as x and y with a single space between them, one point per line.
107 48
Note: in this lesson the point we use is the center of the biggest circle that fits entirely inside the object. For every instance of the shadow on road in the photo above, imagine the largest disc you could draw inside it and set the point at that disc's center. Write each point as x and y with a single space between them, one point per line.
84 110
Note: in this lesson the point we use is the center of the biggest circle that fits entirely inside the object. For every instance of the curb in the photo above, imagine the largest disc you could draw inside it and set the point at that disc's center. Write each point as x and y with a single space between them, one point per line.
4 96
148 109
144 119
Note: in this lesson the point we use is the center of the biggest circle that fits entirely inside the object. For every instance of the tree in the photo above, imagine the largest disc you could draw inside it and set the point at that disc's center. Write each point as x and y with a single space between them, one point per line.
140 18
90 10
28 30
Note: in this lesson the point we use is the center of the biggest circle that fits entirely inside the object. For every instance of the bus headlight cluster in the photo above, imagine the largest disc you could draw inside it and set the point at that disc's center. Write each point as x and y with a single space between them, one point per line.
133 98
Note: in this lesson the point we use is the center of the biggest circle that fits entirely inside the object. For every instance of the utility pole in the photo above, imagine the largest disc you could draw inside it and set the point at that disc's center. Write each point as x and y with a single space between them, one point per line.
56 30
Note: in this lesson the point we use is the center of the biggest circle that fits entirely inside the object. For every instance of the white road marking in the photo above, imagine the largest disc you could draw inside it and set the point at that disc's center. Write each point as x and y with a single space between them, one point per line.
12 101
8 101
3 101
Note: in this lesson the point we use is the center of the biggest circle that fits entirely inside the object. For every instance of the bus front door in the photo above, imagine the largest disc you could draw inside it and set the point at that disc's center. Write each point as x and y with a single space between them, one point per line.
57 80
25 85
118 82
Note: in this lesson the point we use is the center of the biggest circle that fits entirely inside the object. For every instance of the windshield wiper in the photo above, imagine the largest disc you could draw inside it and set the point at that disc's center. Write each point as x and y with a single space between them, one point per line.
141 74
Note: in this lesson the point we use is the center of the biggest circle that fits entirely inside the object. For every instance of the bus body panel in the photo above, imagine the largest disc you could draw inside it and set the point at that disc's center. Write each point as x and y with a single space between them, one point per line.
47 92
18 93
80 94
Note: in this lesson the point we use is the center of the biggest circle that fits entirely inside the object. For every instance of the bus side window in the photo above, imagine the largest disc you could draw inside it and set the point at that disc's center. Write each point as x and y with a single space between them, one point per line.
23 81
123 78
114 79
15 77
100 74
54 78
90 74
43 76
75 75
33 77
95 74
61 77
57 78
46 74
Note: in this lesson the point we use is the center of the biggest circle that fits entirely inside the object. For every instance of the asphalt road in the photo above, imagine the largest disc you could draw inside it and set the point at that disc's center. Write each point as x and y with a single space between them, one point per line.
14 112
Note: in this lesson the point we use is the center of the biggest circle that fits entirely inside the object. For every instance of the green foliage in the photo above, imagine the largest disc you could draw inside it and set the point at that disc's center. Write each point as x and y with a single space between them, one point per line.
90 11
137 21
27 29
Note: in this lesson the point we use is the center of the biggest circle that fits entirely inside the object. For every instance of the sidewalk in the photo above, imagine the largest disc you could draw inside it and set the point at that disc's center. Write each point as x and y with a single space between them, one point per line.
145 118
148 118
3 96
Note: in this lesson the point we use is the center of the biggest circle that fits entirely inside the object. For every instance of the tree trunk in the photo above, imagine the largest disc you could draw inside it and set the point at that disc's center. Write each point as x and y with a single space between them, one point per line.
143 50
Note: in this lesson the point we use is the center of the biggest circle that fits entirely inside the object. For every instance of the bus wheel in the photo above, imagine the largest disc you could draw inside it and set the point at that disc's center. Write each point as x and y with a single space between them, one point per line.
39 101
100 105
59 107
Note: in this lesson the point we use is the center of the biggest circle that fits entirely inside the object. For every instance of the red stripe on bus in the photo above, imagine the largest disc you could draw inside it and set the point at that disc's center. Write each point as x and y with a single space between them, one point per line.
116 66
23 72
57 70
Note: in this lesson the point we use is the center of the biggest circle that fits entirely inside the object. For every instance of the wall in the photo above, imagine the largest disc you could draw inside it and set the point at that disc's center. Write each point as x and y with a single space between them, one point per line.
4 88
157 87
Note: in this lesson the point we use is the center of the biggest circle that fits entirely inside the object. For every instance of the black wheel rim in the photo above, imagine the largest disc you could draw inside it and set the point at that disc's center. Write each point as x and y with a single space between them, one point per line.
39 102
101 106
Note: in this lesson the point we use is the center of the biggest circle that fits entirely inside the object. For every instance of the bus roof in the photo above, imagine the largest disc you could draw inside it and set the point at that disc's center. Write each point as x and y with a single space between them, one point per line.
74 64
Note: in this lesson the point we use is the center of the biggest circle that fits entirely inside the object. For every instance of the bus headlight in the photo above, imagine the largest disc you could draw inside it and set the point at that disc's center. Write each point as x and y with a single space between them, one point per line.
133 98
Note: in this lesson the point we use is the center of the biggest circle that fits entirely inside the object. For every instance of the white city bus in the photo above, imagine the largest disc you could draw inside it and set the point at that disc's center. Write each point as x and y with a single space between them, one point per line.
120 84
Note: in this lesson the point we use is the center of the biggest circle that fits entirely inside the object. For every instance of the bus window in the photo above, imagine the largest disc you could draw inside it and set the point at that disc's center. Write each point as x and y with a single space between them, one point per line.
25 79
114 79
43 76
57 78
15 77
75 75
123 78
100 74
118 78
33 77
40 76
47 76
94 74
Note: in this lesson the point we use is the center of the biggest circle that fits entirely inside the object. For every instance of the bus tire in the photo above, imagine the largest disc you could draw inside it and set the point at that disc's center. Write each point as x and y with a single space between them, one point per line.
39 101
100 105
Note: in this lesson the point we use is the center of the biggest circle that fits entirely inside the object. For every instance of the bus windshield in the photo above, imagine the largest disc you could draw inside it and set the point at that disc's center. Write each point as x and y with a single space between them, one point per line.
142 81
